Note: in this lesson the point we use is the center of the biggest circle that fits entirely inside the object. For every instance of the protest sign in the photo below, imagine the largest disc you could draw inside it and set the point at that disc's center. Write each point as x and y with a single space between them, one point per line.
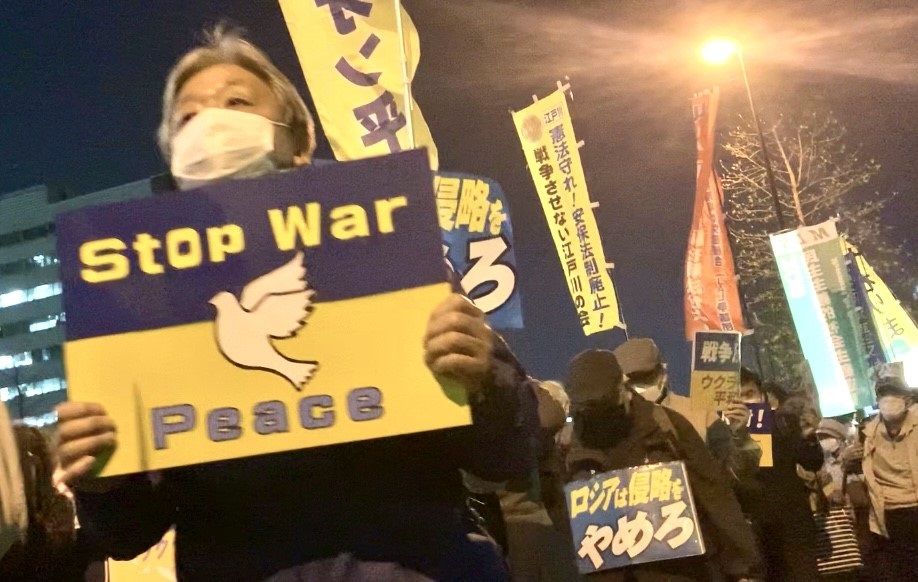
359 59
759 425
258 316
712 298
821 297
633 516
478 242
546 133
155 565
715 369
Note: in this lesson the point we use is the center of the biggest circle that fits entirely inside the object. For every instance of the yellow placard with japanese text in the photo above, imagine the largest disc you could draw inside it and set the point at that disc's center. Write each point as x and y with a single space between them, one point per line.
715 369
350 56
550 146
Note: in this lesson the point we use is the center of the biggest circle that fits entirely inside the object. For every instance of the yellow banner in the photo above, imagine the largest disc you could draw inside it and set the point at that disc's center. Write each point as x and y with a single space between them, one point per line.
547 136
350 56
896 331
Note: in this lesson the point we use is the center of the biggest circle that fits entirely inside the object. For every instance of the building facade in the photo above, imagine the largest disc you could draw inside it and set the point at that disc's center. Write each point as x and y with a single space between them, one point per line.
32 319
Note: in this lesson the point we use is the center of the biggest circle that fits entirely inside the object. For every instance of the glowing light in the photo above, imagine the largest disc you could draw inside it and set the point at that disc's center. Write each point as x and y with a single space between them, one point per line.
718 51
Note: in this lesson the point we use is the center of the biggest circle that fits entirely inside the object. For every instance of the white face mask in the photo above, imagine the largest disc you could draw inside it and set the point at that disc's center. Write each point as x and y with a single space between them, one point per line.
892 407
222 143
651 392
829 445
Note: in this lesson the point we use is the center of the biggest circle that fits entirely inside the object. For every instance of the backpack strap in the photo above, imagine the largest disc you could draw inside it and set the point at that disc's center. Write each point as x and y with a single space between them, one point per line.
664 422
666 425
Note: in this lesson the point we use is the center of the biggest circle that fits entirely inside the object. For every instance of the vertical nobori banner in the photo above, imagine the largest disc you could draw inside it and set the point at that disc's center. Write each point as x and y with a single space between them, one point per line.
712 301
895 331
547 136
478 243
350 55
821 300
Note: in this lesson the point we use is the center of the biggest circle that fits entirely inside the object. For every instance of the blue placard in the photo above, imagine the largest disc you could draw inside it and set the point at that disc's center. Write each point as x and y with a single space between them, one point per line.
633 516
478 244
716 351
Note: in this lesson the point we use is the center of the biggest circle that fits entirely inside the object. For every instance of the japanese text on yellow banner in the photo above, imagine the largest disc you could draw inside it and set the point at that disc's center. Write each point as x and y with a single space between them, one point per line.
548 141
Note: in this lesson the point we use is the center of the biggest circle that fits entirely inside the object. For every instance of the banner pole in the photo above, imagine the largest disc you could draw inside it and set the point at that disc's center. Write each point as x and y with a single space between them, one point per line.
406 82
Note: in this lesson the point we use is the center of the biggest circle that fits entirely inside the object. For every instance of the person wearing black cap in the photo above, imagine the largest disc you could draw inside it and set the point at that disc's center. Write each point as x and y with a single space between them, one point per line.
891 472
615 428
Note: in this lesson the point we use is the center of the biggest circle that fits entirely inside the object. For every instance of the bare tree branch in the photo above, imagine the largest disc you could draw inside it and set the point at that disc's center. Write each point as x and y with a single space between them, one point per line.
818 178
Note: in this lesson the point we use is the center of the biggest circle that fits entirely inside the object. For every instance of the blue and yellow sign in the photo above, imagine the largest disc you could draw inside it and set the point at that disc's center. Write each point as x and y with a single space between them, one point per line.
715 369
257 316
760 425
478 242
633 516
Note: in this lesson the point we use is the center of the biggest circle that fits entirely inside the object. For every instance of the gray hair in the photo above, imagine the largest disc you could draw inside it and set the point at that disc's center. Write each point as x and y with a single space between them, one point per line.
224 45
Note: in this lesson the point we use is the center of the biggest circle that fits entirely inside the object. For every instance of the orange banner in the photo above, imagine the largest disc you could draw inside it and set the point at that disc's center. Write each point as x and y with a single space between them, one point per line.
712 301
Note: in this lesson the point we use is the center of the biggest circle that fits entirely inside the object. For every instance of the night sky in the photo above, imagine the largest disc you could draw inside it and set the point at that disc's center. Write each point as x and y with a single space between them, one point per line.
80 91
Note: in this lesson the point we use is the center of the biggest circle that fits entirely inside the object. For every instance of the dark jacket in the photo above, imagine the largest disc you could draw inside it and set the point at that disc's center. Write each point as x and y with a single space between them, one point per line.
730 543
780 485
777 501
398 499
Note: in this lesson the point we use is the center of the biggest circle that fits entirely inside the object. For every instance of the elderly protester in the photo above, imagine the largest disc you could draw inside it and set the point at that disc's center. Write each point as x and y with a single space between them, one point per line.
891 471
387 509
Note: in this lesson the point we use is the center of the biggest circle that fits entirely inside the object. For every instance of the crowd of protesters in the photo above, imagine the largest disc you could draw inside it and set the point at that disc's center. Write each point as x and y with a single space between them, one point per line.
484 502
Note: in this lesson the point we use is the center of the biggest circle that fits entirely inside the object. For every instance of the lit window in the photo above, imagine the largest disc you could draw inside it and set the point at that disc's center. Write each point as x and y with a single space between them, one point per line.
44 387
42 291
40 421
31 389
12 298
43 325
15 360
44 260
18 296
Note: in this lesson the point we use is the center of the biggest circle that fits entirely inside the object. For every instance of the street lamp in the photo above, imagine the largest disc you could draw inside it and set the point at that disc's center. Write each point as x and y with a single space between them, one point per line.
719 51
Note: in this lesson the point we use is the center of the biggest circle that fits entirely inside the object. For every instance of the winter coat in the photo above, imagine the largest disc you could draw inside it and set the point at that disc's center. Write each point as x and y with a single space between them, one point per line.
731 545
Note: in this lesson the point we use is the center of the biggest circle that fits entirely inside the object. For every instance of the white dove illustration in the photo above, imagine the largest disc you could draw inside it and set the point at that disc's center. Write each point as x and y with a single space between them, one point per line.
275 305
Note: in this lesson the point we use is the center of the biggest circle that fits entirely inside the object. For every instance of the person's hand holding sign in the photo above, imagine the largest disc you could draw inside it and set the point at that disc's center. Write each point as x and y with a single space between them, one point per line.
458 342
737 416
87 437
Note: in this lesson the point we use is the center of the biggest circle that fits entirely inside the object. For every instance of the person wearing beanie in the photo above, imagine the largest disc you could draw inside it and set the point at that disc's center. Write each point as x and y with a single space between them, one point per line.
832 437
615 428
891 471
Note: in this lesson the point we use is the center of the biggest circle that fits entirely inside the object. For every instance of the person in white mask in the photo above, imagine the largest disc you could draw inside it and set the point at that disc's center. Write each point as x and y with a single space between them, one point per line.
387 509
832 435
891 471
